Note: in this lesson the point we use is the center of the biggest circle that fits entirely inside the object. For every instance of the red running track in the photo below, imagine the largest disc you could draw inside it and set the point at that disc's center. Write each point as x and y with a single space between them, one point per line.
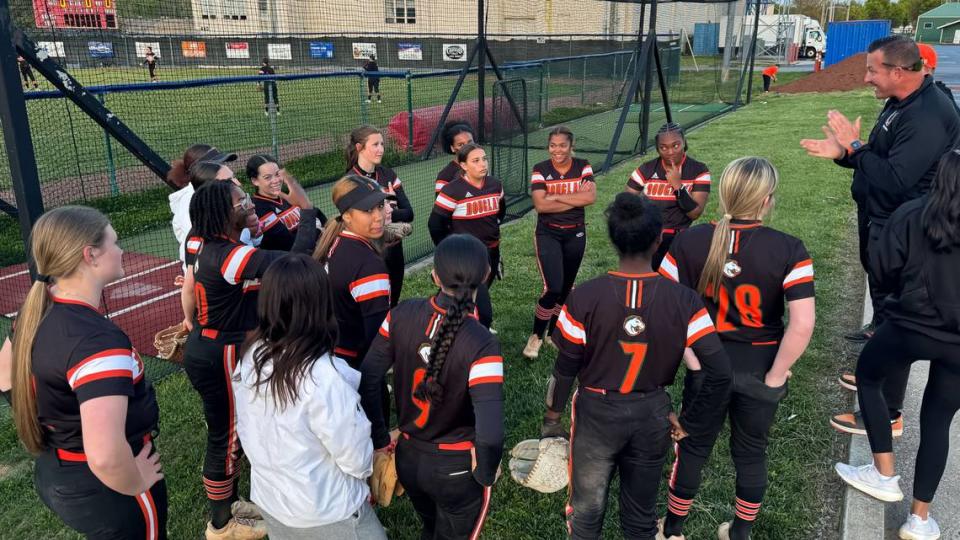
142 303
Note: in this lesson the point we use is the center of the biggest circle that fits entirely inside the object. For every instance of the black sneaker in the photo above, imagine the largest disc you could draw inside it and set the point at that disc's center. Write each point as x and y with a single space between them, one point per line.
861 335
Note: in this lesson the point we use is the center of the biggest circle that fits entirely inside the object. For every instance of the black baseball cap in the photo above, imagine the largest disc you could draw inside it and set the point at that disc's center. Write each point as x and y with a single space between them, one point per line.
365 197
217 156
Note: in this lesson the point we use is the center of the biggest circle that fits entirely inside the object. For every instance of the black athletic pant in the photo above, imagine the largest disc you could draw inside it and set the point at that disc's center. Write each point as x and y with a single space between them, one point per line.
209 363
270 95
27 74
752 409
373 87
661 252
393 257
892 349
440 484
484 302
86 505
766 83
624 433
152 69
559 253
895 385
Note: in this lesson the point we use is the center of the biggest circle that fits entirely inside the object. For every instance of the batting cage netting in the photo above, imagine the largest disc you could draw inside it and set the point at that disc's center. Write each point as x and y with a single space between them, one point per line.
292 78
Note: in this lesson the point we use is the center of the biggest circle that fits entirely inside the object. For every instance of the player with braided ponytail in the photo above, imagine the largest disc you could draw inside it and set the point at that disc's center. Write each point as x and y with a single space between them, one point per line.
448 377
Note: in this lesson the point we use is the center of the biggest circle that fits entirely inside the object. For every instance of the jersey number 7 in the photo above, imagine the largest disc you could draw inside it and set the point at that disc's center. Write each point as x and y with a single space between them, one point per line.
637 352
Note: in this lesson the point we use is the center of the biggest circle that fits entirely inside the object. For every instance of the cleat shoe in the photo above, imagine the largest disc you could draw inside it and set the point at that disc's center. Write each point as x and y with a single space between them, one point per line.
532 350
661 536
918 529
861 335
848 381
238 529
868 480
852 423
245 510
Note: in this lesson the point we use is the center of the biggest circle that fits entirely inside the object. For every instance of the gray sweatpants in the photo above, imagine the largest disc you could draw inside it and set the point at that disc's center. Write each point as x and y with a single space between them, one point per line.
362 525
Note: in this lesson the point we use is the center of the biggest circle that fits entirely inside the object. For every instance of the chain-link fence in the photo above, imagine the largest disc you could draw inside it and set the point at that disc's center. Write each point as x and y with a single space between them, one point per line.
260 77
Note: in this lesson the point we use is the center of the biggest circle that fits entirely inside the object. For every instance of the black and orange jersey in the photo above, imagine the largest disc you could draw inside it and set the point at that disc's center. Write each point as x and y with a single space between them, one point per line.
361 293
446 175
78 355
546 177
626 333
278 222
650 178
471 411
765 267
467 209
385 177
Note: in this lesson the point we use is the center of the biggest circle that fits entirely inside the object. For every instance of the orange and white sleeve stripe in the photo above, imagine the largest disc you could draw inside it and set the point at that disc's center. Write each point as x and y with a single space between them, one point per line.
488 369
700 325
445 202
385 327
638 178
370 287
235 263
704 178
570 328
193 244
108 364
802 273
537 177
668 268
268 221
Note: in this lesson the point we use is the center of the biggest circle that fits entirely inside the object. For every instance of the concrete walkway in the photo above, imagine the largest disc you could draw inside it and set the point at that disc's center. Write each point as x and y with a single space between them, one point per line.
866 518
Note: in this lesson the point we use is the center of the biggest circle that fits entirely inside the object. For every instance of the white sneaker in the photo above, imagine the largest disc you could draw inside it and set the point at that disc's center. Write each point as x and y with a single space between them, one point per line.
918 529
368 101
868 480
532 350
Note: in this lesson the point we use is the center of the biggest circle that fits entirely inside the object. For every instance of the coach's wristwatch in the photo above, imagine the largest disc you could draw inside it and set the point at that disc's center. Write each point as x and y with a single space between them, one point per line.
854 147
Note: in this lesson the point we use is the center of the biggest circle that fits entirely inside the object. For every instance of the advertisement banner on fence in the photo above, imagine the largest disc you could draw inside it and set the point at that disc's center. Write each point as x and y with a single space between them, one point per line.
279 51
142 48
363 51
238 49
100 49
455 52
409 51
54 48
193 49
321 49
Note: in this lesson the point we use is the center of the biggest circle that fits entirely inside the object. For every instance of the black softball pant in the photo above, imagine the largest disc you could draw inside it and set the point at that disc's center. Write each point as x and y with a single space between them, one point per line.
86 505
559 254
209 362
894 348
766 83
440 484
484 302
393 257
270 95
752 409
613 432
373 86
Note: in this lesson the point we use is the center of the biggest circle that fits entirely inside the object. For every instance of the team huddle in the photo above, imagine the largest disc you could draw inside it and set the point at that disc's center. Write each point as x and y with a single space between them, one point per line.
308 362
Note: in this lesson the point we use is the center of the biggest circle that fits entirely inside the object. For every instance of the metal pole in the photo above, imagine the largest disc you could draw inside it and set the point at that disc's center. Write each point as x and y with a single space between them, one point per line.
409 113
753 51
663 84
647 79
16 133
363 102
481 69
272 110
111 166
640 51
583 83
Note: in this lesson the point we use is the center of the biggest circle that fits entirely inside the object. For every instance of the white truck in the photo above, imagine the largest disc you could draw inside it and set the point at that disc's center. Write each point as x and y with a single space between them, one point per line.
799 30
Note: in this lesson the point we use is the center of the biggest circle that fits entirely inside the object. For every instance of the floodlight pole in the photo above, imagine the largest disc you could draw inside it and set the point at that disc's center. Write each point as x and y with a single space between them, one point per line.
647 79
481 72
16 133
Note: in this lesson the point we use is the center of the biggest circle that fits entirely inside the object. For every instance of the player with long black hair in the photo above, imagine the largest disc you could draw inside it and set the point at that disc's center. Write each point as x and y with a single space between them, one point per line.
745 272
623 336
226 278
561 186
364 155
678 184
472 204
448 380
456 134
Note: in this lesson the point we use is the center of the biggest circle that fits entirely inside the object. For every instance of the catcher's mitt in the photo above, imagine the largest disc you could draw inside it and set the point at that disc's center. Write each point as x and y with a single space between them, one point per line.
540 464
169 343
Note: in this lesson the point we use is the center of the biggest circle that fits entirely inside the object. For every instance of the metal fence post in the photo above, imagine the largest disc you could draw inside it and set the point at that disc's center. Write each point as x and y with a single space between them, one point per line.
273 111
540 97
409 112
363 103
583 83
111 166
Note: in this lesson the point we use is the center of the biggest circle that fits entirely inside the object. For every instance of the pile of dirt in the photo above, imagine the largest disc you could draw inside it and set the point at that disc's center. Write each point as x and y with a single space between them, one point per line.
847 75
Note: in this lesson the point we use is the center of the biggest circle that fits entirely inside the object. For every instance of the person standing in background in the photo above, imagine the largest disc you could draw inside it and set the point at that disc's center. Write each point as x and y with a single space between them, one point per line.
270 96
150 60
373 83
769 75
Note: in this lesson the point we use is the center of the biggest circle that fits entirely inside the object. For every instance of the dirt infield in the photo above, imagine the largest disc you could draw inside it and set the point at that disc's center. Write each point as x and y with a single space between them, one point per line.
842 77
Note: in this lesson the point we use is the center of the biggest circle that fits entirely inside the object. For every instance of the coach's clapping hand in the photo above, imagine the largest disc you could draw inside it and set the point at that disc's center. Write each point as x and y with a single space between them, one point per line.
827 148
844 131
676 430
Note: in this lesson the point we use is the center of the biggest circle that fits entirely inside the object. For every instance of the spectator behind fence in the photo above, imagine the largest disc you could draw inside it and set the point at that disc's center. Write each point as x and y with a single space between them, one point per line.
298 413
270 95
917 125
373 82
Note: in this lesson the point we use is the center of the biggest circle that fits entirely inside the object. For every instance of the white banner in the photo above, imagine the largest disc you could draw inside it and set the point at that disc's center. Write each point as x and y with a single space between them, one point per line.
455 52
363 51
409 51
54 48
279 51
238 49
142 48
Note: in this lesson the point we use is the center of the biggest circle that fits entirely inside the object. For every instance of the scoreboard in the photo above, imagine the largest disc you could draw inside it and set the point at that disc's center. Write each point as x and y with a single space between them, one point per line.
75 13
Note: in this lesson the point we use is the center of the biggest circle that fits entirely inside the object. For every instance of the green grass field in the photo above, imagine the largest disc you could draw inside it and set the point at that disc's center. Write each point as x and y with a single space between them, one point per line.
813 203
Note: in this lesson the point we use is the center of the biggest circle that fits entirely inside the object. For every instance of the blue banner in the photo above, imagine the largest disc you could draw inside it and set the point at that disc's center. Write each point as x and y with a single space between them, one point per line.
321 49
100 49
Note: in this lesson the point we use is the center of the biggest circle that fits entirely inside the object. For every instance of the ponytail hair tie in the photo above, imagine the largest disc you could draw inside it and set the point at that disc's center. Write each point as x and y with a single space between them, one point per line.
43 278
727 217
